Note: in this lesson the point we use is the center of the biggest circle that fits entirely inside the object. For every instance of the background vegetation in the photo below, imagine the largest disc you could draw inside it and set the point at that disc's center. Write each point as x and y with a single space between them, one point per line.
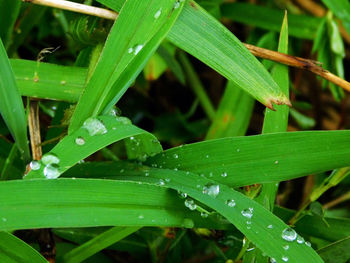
146 131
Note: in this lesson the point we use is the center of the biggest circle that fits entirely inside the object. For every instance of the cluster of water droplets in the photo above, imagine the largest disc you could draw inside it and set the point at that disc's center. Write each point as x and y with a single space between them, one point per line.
50 162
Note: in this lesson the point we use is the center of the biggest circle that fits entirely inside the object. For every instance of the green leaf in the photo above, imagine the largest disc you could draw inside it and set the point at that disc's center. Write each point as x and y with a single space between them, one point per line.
34 78
14 250
336 252
134 37
11 106
9 11
233 115
262 158
341 8
252 219
83 142
201 35
301 26
86 203
98 243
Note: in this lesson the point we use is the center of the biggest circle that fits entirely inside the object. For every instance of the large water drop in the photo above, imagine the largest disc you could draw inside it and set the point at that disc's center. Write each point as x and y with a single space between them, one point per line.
212 190
289 234
94 127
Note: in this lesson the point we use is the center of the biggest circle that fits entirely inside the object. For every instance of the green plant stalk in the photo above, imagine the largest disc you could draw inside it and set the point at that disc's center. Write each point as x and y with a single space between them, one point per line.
277 121
333 180
197 86
98 243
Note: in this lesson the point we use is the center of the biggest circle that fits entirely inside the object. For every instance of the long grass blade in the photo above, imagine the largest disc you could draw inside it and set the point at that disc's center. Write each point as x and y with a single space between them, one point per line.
11 106
14 250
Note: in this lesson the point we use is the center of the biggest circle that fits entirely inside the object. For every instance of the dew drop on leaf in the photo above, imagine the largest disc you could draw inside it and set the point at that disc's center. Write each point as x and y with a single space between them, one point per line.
158 13
175 155
289 234
300 240
270 226
231 203
94 126
286 247
308 243
137 49
51 171
212 190
34 165
189 203
80 140
204 214
285 258
248 213
224 174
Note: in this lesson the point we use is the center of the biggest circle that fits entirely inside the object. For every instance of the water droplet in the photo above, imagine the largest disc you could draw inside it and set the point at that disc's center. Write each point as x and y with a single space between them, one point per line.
211 189
141 217
270 226
231 203
300 240
34 165
204 214
94 127
182 195
130 50
272 260
137 49
158 13
146 173
285 258
51 171
123 120
286 247
289 234
248 213
161 182
4 219
121 171
175 155
167 179
177 5
308 243
80 140
189 203
238 150
50 159
207 156
276 162
224 174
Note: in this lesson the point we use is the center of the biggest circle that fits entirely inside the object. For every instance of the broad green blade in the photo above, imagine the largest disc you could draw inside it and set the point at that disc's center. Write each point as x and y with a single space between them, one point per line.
11 106
135 36
14 250
301 26
341 8
233 115
201 35
49 81
336 252
260 159
259 225
277 121
95 134
89 203
98 243
9 11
